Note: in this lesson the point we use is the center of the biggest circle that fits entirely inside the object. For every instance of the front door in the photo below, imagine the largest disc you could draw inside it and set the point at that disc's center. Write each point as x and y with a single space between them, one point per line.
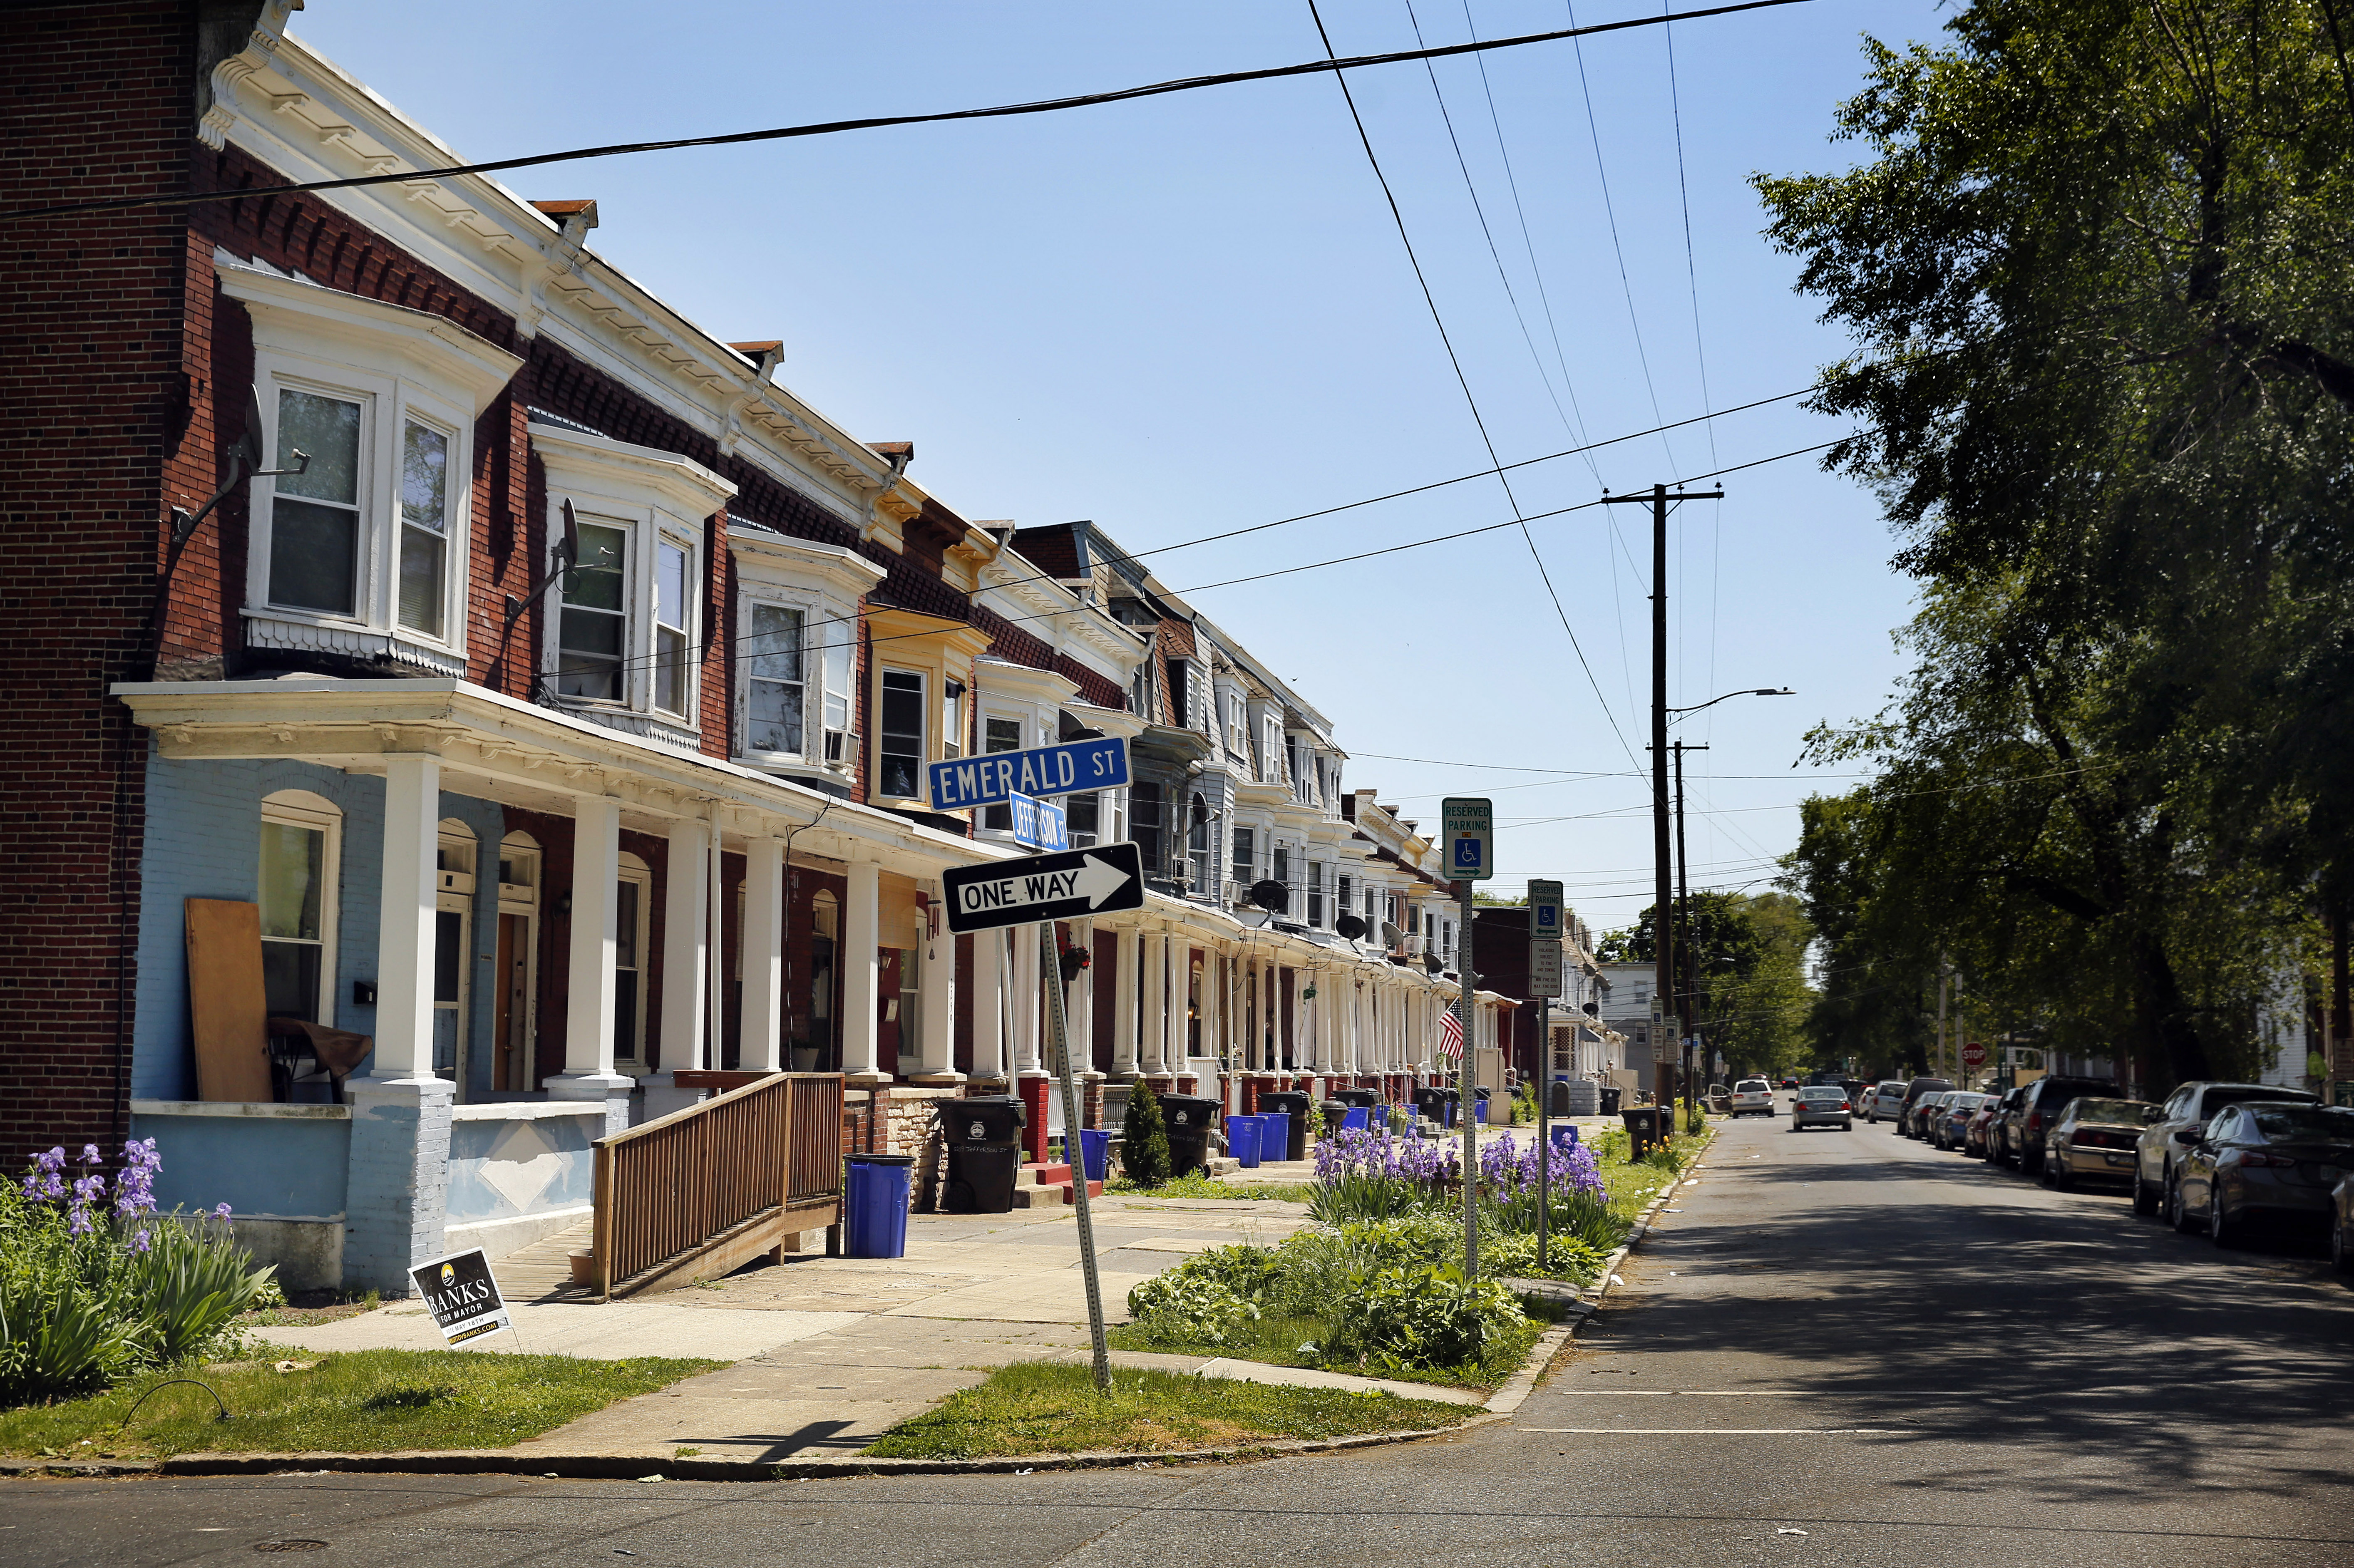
890 1026
452 924
511 1024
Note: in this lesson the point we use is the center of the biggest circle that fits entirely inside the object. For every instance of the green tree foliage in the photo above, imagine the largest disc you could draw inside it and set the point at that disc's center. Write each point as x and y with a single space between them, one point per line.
2098 264
1745 961
1144 1139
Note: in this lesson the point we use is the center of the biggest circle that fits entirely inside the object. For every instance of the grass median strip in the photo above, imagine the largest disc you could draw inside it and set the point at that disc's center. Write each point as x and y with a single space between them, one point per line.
362 1402
1046 1407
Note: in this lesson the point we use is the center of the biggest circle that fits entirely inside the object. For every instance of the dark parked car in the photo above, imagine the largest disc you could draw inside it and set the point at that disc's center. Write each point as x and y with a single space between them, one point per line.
2026 1124
2095 1138
2341 1225
1947 1128
1913 1090
2263 1163
1985 1139
2187 1112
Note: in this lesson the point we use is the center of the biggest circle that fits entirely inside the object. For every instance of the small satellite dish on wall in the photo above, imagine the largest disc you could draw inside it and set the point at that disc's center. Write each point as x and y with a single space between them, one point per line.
1390 935
1271 895
1349 926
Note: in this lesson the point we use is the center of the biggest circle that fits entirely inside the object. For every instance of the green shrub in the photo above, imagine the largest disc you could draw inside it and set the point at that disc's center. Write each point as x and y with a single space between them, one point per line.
1144 1139
1176 1309
1413 1318
1349 1195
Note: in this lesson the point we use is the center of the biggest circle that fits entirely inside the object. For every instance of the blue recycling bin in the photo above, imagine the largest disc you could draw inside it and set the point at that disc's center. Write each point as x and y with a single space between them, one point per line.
1274 1135
1357 1119
1095 1148
875 1206
1565 1137
1242 1140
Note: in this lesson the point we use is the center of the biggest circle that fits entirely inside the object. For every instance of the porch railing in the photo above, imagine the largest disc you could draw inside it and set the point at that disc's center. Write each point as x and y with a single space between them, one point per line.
706 1190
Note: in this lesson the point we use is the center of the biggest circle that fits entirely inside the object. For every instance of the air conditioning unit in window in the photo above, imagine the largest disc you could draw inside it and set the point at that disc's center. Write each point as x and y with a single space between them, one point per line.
841 746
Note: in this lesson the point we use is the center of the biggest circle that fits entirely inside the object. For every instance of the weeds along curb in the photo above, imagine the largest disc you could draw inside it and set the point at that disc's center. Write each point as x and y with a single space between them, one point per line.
622 1468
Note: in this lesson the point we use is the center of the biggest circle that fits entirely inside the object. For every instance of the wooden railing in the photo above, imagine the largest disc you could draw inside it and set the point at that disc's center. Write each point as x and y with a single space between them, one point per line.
706 1190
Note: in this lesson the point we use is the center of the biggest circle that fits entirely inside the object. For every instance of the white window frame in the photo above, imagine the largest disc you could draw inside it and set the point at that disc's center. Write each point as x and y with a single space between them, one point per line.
301 809
400 366
823 582
645 531
924 720
812 690
634 871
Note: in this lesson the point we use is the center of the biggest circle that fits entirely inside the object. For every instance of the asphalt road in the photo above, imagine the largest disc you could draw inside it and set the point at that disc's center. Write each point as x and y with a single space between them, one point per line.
1844 1349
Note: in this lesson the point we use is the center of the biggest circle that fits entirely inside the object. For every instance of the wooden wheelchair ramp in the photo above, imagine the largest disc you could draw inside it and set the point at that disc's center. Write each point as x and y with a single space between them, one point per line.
704 1190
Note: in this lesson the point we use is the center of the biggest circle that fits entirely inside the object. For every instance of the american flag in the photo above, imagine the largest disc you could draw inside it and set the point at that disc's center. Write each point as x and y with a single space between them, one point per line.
1450 1036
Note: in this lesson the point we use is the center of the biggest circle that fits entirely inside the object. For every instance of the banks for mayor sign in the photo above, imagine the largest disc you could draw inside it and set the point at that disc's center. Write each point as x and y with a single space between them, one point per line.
463 1297
1073 886
994 780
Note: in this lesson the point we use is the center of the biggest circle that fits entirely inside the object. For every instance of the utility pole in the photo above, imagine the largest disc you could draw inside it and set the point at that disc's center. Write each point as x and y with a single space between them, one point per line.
1663 970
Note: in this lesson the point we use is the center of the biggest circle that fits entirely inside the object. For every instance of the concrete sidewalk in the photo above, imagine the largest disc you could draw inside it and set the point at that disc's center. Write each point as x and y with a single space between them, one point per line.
828 1353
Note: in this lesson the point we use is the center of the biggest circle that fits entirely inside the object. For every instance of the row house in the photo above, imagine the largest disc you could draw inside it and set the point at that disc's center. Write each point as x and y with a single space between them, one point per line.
544 729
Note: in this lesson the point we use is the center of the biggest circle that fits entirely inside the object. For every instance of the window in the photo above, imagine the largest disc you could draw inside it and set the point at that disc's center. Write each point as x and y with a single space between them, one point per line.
631 903
315 515
424 527
1086 815
952 720
673 624
1144 824
1000 735
775 703
1246 853
592 633
1315 893
1197 846
1282 874
299 874
452 928
1342 887
1179 715
899 737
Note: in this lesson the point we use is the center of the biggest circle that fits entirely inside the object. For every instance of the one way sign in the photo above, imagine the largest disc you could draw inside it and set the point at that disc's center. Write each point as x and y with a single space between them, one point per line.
1073 886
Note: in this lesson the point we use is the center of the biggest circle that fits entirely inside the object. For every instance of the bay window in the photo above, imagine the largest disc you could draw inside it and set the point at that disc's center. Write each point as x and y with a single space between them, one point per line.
673 624
315 515
798 626
593 625
899 736
1316 893
776 697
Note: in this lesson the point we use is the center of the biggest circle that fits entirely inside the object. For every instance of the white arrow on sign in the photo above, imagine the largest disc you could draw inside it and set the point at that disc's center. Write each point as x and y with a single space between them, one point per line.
1098 882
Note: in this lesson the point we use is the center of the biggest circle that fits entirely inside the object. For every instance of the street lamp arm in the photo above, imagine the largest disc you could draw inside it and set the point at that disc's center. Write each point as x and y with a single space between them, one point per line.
1745 691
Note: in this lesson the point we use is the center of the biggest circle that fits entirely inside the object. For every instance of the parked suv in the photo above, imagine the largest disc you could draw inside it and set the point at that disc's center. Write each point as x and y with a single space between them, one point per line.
2158 1155
1986 1137
1883 1100
1753 1097
2027 1124
1913 1093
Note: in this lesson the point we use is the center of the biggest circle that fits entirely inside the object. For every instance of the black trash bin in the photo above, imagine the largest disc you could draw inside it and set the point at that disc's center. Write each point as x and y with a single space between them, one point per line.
1560 1106
984 1143
1294 1104
1190 1119
1365 1098
1430 1104
1642 1129
1610 1096
1336 1114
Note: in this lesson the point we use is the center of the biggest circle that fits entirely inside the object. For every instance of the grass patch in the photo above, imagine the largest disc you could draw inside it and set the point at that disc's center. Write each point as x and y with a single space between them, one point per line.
307 1307
1193 1184
1044 1407
367 1401
1277 1341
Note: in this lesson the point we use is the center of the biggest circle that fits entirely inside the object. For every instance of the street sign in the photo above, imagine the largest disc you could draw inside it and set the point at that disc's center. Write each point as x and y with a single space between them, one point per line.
1545 933
994 780
1974 1054
1040 824
1075 885
1468 831
463 1297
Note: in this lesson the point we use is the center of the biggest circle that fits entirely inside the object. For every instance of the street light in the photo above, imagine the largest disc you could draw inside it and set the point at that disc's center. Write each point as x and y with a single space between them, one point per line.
1745 691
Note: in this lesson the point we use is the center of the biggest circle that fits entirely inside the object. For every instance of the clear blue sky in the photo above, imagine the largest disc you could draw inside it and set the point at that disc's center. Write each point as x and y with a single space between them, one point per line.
1192 313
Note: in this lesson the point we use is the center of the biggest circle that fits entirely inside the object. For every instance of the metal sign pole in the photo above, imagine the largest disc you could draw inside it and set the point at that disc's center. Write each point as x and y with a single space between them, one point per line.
1050 962
1468 1098
1544 1132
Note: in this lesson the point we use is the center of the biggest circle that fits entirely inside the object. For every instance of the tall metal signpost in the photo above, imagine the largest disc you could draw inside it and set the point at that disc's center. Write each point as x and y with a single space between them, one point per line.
1544 984
1077 884
1469 832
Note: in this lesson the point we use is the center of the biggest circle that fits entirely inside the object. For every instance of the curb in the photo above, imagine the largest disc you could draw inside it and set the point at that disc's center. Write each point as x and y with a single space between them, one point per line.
1499 1406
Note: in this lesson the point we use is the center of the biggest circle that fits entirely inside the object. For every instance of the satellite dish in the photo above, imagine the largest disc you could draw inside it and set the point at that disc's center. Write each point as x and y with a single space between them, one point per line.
571 546
249 445
1593 1010
1390 935
1431 965
1349 926
1271 895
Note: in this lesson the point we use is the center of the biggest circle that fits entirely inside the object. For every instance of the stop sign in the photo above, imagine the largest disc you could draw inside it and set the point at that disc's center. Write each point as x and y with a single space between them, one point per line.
1974 1054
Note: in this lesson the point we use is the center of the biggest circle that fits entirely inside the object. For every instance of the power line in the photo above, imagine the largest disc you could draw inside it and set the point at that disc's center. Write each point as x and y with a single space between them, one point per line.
1399 219
872 123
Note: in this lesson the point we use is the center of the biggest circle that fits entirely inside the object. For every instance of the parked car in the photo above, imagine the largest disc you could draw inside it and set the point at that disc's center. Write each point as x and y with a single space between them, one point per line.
1719 1099
2094 1136
1913 1090
1885 1100
2263 1163
1821 1105
2184 1117
1856 1089
1753 1097
1986 1127
2026 1124
1917 1120
1953 1117
2341 1225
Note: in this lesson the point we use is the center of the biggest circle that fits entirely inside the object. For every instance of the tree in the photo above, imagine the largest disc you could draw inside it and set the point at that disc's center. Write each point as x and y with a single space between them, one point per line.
1144 1139
2098 270
1744 962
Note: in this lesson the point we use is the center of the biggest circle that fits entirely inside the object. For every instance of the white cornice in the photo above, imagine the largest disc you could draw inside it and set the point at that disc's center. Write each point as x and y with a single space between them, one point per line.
768 558
607 465
436 346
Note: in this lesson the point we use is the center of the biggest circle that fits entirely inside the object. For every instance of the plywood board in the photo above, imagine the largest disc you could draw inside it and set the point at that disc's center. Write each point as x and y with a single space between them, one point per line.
226 1004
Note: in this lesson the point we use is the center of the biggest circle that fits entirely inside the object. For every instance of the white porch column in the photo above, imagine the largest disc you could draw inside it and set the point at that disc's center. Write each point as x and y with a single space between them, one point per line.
989 1006
687 916
1155 1051
762 1045
936 985
862 980
715 950
398 1169
1023 983
589 978
1082 1004
404 947
1122 979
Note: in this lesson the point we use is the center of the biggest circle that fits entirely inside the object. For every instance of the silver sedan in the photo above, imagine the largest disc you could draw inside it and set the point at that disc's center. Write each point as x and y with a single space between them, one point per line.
1821 1105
